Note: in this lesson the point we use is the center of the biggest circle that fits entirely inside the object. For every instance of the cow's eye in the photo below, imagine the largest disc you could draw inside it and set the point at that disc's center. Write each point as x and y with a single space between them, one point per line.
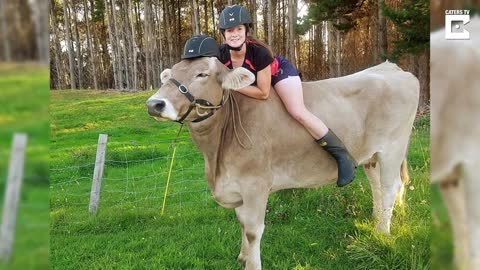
202 75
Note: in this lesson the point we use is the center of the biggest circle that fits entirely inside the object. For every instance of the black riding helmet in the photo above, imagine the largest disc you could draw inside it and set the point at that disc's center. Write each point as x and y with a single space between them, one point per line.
233 16
199 46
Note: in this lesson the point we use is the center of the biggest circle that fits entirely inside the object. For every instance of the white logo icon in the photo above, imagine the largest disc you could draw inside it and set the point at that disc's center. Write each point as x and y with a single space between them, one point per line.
455 21
190 50
232 19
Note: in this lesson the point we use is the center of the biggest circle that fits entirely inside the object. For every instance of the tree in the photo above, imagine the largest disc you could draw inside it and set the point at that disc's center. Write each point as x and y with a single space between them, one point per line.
344 14
382 32
134 46
148 45
58 80
90 49
113 46
413 22
195 18
127 43
68 38
78 50
39 10
7 53
292 18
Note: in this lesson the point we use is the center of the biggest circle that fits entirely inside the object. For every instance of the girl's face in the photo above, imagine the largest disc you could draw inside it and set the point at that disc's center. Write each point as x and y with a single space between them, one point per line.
235 36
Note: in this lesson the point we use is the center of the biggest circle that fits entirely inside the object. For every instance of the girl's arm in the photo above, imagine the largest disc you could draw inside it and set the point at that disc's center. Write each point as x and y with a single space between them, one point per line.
262 89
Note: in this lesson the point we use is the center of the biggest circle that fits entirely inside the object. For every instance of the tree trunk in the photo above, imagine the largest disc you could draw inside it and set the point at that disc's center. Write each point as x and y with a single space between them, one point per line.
284 33
155 61
57 52
339 55
113 46
214 34
382 31
126 45
420 64
7 53
196 19
253 12
39 10
118 46
70 45
79 48
291 30
99 55
331 49
269 23
90 49
178 26
168 27
134 46
205 16
147 25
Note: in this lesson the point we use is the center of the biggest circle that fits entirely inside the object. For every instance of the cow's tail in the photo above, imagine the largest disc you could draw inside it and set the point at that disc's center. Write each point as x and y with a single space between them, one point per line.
400 199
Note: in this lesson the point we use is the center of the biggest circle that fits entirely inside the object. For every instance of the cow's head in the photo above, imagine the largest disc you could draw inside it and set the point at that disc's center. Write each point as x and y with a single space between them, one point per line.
204 78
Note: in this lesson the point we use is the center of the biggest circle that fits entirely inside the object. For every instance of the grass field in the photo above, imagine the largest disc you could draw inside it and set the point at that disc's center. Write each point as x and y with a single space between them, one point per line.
325 228
24 98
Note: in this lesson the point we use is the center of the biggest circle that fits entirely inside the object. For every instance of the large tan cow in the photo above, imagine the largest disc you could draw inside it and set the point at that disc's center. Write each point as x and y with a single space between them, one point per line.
455 134
253 147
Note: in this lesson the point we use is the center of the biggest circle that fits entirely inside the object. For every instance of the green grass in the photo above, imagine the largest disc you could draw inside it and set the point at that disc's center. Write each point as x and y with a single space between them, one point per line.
325 228
442 242
24 97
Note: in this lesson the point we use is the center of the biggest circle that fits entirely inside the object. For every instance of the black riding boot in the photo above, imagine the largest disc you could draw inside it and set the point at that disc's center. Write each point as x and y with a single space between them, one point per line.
345 162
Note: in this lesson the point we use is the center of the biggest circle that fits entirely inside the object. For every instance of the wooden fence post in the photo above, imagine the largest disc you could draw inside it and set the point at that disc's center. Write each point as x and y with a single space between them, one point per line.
98 174
12 196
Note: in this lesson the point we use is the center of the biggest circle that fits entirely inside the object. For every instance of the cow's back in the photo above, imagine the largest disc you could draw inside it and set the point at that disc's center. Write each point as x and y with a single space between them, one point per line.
368 110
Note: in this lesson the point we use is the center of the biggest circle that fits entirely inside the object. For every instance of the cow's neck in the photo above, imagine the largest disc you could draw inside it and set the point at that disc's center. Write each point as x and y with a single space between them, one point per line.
207 136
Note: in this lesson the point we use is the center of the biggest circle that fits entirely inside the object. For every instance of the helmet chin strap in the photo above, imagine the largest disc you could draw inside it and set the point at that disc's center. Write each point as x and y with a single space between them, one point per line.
237 48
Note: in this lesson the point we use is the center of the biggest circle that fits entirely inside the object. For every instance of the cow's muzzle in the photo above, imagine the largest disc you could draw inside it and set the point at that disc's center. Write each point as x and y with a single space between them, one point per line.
155 107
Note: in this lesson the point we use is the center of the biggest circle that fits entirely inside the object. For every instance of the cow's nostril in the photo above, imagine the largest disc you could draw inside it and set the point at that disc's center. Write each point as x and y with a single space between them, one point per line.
155 106
160 105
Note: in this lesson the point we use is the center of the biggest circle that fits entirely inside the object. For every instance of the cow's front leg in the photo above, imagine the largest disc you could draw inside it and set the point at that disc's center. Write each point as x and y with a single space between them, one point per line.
252 219
242 257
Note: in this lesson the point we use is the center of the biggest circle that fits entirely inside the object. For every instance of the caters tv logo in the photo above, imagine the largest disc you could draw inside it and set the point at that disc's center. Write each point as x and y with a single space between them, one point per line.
455 21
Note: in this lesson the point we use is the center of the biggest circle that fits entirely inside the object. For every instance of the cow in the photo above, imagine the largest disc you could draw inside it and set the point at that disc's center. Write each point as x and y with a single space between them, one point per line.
455 137
254 147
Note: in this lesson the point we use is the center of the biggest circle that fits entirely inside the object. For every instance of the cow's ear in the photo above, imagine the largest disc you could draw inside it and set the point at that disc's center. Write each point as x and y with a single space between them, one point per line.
166 75
237 78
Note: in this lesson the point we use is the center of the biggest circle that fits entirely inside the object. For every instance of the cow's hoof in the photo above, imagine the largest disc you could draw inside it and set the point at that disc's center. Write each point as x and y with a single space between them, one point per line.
242 260
383 228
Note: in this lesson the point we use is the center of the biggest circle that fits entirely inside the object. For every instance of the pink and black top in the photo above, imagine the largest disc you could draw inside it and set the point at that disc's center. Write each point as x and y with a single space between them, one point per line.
257 58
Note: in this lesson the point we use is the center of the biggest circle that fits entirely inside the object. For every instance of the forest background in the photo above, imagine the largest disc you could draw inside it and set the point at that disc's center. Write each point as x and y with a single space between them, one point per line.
126 44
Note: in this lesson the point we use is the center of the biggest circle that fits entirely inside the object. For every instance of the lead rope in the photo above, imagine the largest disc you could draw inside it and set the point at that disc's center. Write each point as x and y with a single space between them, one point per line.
234 107
174 144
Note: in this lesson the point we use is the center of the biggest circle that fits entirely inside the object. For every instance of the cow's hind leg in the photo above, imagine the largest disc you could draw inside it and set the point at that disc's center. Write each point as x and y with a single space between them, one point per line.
372 170
405 177
391 183
472 191
252 219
